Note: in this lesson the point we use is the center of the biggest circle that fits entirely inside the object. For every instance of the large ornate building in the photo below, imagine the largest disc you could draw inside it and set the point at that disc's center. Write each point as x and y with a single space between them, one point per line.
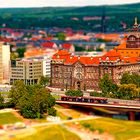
79 72
131 47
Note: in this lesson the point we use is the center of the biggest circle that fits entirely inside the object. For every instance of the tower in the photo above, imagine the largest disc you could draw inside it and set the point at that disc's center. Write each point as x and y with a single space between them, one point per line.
103 20
4 63
133 38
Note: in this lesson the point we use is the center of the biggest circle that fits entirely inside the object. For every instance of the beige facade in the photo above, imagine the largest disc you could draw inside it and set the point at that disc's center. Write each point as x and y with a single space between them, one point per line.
29 71
4 63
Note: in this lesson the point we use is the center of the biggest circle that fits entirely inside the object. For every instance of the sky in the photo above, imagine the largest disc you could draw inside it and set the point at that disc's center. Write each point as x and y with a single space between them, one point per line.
44 3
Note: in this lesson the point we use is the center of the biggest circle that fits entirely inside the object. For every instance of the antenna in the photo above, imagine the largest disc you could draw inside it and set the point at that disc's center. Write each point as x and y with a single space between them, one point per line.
103 20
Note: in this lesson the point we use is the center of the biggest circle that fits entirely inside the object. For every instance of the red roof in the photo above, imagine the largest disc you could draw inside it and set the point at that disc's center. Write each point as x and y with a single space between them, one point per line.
47 44
109 56
66 46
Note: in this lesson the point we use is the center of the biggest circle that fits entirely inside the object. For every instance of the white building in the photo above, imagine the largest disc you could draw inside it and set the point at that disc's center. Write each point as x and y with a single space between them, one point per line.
4 63
46 66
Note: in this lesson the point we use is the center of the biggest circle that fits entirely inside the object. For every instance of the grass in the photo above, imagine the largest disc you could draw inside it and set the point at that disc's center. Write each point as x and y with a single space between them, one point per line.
8 118
122 130
54 132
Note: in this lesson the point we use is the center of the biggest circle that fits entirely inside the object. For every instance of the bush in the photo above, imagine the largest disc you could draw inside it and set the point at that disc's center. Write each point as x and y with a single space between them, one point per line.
74 93
52 112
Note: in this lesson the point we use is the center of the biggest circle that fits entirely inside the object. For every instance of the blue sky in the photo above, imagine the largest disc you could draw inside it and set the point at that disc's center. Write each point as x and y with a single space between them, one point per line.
41 3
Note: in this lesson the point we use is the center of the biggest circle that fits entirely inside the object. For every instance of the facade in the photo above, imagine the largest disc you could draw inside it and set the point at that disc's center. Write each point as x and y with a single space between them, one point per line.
131 47
4 63
74 72
46 66
29 71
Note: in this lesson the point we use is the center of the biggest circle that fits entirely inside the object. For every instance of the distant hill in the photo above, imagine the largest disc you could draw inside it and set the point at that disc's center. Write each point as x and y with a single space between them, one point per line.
61 16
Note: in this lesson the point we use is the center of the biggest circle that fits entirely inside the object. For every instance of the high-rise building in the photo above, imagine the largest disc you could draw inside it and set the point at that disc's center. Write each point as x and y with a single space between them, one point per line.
4 63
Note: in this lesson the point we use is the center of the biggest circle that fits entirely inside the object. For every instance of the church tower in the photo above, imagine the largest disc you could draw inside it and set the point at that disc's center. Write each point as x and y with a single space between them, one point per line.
133 38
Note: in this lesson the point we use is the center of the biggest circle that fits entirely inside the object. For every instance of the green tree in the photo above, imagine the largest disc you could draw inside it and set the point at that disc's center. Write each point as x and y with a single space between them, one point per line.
126 79
44 81
106 85
133 78
61 36
17 91
128 91
21 52
32 100
52 112
1 101
74 93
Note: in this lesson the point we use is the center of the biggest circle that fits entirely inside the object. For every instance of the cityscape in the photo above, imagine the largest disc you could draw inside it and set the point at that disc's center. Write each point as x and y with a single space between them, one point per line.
70 70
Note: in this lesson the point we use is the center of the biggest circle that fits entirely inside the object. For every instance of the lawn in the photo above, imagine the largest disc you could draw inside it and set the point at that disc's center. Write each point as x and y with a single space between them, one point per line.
121 129
7 118
54 132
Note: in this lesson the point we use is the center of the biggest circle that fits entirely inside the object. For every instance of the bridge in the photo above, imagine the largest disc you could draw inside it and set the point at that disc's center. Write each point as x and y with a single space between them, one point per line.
131 108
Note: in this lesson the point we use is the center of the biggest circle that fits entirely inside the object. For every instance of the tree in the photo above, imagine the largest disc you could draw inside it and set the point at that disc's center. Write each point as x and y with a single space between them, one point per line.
128 91
126 79
32 100
21 52
106 85
44 81
17 91
52 112
61 36
74 93
133 78
1 101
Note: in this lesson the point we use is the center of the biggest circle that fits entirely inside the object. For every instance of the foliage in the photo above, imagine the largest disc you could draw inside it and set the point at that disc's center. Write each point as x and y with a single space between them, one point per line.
133 78
78 48
17 91
61 36
127 91
1 101
52 112
44 81
32 100
74 93
62 17
13 55
21 52
106 85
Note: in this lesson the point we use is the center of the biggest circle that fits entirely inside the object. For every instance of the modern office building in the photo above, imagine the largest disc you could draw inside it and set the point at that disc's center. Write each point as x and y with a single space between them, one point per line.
29 71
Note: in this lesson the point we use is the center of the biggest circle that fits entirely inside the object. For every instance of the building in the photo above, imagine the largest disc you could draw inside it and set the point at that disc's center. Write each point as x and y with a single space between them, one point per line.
46 66
29 71
75 72
4 63
80 72
131 46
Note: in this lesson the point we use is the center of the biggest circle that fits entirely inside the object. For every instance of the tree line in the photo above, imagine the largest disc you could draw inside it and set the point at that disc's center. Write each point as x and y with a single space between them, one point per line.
129 87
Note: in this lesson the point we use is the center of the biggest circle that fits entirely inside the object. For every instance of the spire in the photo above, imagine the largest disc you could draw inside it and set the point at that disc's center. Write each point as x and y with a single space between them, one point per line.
136 21
136 26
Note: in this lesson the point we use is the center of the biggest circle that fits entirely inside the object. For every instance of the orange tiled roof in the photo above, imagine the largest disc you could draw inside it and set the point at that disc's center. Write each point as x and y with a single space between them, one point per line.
109 56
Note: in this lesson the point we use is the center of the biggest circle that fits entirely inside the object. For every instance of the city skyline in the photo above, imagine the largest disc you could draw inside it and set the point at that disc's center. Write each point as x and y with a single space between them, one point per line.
45 3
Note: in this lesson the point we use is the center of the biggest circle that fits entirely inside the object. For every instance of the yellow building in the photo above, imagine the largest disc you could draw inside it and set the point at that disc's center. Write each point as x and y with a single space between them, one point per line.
131 46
